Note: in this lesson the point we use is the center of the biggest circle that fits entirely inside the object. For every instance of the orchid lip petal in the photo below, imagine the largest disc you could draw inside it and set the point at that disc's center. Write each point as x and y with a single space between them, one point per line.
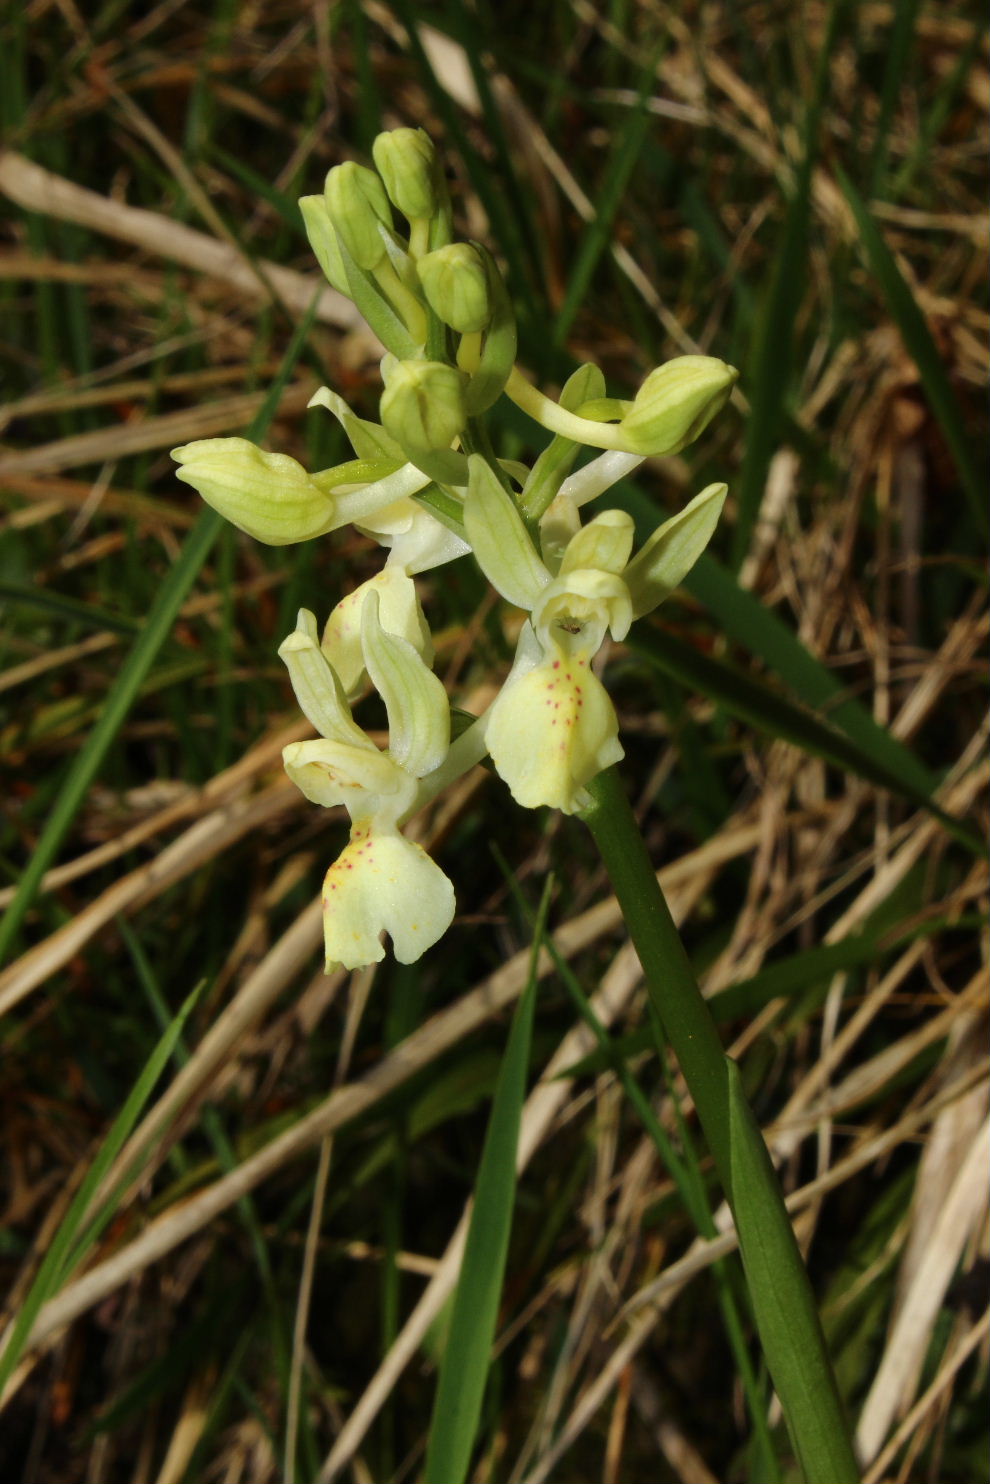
383 882
551 731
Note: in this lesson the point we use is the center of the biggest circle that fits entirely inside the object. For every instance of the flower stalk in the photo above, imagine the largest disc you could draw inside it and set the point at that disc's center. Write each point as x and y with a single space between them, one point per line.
783 1302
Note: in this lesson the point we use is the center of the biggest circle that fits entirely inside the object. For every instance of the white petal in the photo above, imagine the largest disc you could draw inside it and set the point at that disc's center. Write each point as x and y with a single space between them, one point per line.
363 503
599 475
383 883
418 541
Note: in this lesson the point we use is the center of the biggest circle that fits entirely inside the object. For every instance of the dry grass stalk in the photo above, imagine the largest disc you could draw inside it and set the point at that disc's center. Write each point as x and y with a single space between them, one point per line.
37 189
442 1031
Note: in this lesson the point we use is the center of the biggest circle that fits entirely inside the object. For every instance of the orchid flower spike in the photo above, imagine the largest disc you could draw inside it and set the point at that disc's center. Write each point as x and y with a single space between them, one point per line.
553 727
381 882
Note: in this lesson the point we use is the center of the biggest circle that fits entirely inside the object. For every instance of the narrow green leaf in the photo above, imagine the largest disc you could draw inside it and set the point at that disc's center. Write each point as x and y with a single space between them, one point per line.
921 347
687 1175
769 712
768 372
597 236
783 1303
464 1368
902 34
733 1137
159 622
749 622
60 1259
67 607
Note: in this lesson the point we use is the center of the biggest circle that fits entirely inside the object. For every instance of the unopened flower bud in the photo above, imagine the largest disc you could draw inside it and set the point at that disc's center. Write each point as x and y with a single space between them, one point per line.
676 402
358 209
455 283
422 405
407 162
268 495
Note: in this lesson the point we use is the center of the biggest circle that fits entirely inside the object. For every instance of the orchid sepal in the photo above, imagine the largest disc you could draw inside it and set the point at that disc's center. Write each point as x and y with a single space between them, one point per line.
668 556
319 692
605 544
415 700
401 613
499 538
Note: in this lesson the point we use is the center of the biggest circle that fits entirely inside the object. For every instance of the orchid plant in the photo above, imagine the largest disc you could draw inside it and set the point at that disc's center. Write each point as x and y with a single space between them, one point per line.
427 486
423 485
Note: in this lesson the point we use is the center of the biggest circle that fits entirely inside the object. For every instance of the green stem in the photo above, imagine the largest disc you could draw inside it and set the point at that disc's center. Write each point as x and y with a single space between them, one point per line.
551 415
783 1302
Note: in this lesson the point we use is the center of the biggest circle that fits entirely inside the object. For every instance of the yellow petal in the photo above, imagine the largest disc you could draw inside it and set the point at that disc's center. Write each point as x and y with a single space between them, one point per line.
551 731
383 882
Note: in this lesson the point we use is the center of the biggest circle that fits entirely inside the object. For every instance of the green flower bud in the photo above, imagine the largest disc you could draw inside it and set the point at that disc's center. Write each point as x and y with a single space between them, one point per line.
268 495
676 402
422 405
358 209
455 283
407 162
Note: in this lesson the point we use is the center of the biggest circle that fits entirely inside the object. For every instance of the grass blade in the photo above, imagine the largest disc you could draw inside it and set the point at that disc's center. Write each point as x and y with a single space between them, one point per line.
162 615
464 1368
768 372
760 707
921 347
63 1255
597 237
749 622
64 606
